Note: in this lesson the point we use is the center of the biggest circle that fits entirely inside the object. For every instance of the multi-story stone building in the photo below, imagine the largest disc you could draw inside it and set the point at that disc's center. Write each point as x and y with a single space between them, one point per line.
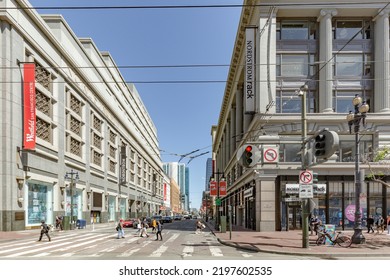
336 51
89 143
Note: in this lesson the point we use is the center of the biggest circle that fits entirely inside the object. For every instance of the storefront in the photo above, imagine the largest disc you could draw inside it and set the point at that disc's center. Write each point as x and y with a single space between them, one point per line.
39 204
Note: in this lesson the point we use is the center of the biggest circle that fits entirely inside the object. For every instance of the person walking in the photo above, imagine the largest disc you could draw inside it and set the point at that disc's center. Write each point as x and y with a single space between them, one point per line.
139 227
380 223
158 230
44 230
144 230
154 225
370 224
119 228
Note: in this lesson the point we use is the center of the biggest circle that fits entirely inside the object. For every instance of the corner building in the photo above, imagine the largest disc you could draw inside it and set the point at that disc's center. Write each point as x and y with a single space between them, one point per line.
90 126
338 51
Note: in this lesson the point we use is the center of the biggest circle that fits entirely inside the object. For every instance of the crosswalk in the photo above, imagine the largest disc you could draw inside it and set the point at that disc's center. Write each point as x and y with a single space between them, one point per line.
105 245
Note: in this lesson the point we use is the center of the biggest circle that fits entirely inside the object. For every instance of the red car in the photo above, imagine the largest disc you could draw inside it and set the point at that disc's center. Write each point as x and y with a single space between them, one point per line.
129 223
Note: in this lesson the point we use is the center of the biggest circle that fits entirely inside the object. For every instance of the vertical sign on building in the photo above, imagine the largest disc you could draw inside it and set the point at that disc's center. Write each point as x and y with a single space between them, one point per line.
165 192
122 166
213 188
29 113
222 188
250 67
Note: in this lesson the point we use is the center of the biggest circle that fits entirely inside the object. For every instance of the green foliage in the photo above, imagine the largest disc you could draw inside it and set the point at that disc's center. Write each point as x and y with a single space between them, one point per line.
382 154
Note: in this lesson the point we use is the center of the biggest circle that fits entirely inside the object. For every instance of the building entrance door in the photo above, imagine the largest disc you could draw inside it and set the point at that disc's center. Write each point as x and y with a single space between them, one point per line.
294 217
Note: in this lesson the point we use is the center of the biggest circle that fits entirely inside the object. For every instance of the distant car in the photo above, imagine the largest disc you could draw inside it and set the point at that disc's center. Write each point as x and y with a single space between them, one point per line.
167 219
129 223
177 217
187 217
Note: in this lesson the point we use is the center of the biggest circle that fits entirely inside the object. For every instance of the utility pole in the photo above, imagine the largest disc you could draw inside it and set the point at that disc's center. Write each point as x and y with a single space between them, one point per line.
305 202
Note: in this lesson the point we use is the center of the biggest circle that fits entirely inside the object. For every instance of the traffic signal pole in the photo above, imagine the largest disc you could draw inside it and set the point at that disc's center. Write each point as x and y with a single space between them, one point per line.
305 202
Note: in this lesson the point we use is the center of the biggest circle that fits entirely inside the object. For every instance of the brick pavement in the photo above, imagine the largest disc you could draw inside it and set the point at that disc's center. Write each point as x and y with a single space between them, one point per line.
290 242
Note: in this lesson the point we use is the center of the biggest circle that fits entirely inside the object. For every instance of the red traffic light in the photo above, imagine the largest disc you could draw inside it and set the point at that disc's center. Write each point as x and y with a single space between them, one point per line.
248 149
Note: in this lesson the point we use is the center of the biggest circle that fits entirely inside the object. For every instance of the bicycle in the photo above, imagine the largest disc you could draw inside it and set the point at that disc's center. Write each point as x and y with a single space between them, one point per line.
339 239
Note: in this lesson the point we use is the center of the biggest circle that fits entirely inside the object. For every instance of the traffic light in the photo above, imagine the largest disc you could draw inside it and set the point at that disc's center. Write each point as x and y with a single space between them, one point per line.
248 155
326 144
315 178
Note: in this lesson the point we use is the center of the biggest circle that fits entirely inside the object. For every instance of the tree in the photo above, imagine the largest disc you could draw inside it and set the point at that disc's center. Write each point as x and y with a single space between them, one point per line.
379 166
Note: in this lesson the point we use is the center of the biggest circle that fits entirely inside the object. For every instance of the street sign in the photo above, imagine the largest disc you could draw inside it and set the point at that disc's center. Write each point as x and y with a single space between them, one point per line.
270 154
306 191
292 188
306 177
218 202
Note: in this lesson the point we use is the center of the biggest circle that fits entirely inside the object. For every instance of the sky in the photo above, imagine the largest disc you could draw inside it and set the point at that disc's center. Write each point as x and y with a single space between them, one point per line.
183 112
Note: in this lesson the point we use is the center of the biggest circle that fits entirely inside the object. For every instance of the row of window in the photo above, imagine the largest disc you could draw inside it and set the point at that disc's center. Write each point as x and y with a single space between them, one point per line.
140 174
307 29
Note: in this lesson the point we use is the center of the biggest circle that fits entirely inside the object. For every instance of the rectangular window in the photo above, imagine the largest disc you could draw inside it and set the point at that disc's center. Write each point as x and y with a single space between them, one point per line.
296 30
349 65
342 100
293 65
347 29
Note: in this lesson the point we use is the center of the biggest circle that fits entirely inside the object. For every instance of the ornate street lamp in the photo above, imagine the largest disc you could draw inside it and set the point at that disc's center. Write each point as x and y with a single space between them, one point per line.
69 175
354 119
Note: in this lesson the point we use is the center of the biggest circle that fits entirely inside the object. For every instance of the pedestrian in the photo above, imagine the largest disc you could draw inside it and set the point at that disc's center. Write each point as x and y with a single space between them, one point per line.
380 223
314 224
139 227
158 230
199 227
144 227
154 225
120 230
59 222
370 224
388 223
44 230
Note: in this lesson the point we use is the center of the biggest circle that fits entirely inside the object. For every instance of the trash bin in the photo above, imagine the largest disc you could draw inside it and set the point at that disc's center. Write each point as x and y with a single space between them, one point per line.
80 223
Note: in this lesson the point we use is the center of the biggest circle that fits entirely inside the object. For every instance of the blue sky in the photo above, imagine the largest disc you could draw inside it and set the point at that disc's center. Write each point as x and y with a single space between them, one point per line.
182 112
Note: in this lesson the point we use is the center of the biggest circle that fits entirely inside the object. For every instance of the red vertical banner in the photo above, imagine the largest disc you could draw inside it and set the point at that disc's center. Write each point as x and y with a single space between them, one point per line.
222 188
29 113
213 188
165 192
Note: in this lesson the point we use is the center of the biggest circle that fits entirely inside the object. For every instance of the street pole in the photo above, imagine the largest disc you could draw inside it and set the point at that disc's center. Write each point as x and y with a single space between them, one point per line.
305 223
218 198
354 119
69 175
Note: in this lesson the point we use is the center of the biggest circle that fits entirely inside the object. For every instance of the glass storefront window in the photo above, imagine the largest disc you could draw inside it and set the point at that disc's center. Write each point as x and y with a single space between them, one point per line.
77 203
111 208
335 203
39 203
122 207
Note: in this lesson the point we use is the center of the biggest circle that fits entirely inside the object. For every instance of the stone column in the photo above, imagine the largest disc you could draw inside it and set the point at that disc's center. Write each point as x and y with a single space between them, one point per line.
381 84
325 54
265 203
239 113
233 134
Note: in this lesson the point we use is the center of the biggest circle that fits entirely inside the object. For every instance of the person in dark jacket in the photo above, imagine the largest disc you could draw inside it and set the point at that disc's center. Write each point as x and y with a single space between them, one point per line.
159 230
370 224
44 230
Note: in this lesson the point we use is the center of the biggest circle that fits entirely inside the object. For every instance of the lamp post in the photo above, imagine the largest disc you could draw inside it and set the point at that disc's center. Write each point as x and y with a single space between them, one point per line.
305 215
354 119
220 176
69 175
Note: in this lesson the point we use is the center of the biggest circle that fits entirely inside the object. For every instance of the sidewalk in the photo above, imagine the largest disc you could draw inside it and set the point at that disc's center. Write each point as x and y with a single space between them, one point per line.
290 242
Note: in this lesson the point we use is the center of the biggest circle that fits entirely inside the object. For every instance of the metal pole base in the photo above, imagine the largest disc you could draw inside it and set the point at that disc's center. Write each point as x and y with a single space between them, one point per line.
358 237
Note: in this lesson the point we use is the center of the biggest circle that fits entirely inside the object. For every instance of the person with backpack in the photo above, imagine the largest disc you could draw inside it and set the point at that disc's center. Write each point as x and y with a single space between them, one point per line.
159 230
44 230
380 223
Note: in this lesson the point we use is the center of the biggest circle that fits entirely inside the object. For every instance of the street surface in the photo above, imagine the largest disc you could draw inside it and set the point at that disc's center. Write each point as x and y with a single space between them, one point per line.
179 243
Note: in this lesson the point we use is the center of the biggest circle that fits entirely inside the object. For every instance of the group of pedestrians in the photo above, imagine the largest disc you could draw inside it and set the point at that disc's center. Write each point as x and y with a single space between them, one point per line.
142 228
380 223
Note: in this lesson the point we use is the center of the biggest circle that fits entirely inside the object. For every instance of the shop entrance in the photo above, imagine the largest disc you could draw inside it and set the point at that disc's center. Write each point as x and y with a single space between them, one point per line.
294 216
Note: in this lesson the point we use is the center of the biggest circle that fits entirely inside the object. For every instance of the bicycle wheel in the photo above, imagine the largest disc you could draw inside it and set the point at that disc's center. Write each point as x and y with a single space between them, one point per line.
320 240
344 241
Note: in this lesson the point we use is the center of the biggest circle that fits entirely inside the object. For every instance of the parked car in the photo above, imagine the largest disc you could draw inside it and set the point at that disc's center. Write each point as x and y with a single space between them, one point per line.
187 217
167 219
129 223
